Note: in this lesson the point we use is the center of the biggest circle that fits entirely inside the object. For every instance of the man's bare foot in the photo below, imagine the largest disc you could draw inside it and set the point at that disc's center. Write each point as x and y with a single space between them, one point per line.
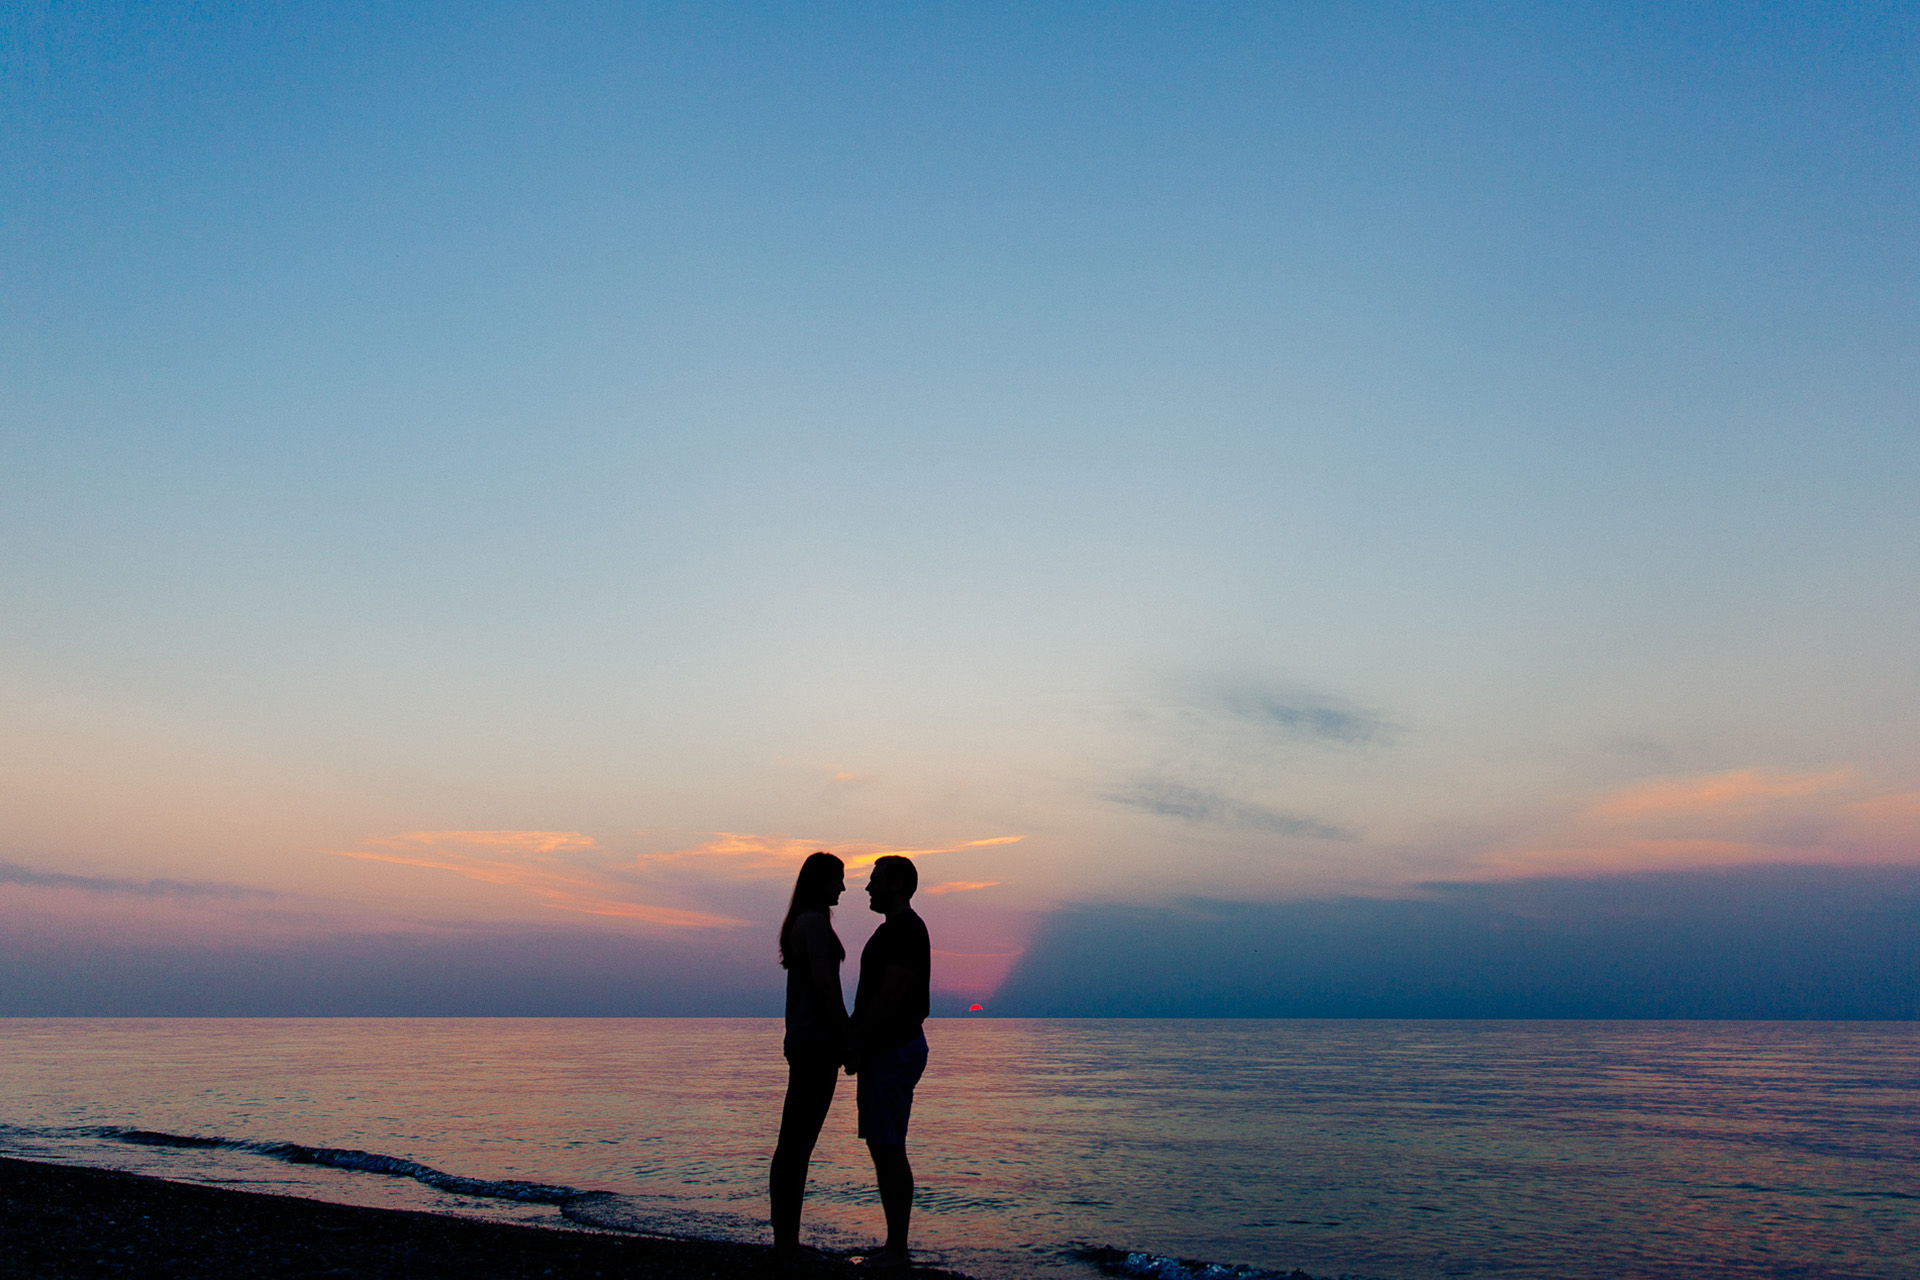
885 1260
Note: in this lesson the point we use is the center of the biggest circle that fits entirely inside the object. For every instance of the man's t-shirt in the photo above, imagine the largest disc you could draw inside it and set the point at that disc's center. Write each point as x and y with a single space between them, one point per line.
904 942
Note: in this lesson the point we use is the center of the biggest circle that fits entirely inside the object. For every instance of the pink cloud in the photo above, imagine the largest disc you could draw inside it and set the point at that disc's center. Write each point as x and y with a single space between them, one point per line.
530 861
1737 791
519 841
571 871
1891 818
1721 819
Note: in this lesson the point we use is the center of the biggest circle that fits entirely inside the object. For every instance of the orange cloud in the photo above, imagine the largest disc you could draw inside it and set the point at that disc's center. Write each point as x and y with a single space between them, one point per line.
875 854
733 856
1722 819
529 861
957 886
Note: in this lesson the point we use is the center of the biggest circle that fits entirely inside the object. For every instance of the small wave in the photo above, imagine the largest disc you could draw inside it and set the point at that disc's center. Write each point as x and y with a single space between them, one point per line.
150 1138
395 1167
1153 1266
359 1162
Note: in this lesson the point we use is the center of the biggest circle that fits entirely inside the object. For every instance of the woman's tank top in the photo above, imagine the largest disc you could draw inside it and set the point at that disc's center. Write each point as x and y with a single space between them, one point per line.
810 1028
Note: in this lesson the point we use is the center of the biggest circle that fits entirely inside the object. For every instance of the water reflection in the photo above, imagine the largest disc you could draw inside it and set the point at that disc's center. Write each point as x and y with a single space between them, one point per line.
1393 1149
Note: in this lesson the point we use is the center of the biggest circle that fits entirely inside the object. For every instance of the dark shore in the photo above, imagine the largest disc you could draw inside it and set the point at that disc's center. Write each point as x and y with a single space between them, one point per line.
60 1221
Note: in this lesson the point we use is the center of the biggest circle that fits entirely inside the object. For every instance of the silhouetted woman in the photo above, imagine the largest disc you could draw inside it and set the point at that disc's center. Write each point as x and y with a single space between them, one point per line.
816 1040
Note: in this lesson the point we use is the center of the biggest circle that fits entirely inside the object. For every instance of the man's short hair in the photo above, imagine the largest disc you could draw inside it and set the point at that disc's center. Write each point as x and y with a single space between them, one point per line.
905 876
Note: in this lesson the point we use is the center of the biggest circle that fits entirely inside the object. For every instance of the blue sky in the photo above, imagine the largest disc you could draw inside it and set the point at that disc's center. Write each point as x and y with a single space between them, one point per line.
1309 449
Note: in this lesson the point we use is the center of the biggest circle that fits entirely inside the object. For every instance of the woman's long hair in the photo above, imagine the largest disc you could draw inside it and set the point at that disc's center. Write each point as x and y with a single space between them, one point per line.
813 891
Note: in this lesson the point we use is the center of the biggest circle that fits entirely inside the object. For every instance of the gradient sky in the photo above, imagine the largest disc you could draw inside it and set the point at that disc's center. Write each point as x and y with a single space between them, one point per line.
470 467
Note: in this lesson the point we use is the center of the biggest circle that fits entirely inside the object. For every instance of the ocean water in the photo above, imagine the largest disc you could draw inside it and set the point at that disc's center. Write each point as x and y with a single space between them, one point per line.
1057 1148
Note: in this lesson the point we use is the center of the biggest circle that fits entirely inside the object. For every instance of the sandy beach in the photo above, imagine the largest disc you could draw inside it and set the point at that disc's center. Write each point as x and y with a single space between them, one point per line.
61 1221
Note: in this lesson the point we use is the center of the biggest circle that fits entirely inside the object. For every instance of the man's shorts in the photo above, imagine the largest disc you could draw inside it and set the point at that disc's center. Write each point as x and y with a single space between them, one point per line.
885 1093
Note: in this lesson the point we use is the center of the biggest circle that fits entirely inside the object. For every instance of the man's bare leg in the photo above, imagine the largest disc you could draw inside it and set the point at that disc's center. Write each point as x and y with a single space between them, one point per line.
895 1176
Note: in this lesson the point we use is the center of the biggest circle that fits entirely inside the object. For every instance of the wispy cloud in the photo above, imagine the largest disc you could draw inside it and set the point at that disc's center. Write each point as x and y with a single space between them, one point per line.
957 886
533 861
1739 791
1225 719
1301 715
1728 818
1190 804
571 871
730 855
110 910
12 873
871 855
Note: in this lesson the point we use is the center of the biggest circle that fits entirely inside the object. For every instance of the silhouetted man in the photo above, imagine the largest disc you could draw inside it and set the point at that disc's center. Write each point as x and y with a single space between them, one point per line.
887 1047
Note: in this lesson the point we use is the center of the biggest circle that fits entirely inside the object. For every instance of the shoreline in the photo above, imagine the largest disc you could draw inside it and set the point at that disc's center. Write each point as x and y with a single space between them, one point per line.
59 1221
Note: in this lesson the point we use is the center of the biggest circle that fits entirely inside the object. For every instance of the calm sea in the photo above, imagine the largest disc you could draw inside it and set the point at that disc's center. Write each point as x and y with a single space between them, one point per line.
1364 1149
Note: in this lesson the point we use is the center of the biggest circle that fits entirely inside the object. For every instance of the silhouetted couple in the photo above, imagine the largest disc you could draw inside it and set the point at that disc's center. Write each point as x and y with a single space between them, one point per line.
882 1045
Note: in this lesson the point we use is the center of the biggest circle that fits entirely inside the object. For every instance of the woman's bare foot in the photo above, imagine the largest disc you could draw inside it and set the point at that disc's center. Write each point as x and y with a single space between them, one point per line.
885 1260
